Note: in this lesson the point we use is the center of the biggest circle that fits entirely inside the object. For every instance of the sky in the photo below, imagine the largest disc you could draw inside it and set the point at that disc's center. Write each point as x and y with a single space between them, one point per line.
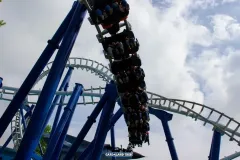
189 50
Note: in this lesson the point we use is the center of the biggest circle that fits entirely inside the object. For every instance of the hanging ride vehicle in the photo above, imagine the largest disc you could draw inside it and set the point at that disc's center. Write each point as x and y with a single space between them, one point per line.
121 51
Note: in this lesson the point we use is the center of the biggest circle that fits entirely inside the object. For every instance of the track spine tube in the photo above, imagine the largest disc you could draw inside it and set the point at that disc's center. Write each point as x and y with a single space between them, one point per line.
33 133
215 147
104 122
113 140
89 148
165 117
1 82
62 87
28 83
85 129
64 121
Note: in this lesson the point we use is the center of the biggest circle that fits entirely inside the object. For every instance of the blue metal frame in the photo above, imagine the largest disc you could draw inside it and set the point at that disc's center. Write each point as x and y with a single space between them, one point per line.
104 122
113 139
165 117
58 113
1 82
60 142
62 87
86 153
33 132
215 146
86 127
88 150
25 126
23 118
66 117
18 99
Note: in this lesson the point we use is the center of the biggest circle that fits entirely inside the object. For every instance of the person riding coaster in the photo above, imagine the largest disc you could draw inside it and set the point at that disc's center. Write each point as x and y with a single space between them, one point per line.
121 65
135 76
137 137
116 51
138 125
135 100
108 13
131 44
133 84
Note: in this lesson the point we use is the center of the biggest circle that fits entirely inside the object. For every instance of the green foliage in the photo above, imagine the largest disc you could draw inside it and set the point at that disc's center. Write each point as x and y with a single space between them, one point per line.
44 142
2 23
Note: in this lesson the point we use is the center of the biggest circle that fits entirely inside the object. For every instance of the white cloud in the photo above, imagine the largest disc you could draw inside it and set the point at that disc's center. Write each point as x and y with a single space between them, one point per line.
228 1
225 27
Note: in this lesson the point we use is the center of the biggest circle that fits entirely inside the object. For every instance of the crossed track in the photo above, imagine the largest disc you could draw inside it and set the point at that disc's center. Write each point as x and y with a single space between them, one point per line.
220 121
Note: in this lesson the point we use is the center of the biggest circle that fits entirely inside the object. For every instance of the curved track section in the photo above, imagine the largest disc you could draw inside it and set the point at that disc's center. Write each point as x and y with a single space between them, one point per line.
217 119
89 65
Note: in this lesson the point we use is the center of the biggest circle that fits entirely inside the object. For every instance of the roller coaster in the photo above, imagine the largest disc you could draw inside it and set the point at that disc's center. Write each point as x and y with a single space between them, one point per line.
27 129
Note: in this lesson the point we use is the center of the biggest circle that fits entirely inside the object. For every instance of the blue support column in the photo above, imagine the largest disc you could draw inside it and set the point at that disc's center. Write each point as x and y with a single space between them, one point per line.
58 113
18 99
23 119
209 157
64 87
1 82
60 142
113 140
86 127
25 126
33 133
67 115
104 123
84 155
165 117
215 147
88 150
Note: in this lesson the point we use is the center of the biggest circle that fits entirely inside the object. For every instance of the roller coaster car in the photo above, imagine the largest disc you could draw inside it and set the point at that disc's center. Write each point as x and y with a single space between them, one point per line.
135 100
143 98
136 74
122 78
116 51
118 66
131 45
108 12
132 86
113 29
131 100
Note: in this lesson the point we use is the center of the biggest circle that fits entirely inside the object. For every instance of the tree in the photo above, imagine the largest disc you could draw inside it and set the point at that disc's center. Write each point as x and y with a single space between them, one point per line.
2 23
43 142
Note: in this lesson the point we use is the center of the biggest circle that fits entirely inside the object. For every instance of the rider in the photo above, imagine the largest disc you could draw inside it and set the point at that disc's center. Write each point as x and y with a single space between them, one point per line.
142 96
118 51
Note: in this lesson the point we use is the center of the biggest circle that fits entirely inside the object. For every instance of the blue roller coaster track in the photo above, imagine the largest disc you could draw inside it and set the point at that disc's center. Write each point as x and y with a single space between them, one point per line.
27 129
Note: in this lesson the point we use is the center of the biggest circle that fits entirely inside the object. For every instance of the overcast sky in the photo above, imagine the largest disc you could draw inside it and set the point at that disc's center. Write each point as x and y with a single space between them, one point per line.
189 50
